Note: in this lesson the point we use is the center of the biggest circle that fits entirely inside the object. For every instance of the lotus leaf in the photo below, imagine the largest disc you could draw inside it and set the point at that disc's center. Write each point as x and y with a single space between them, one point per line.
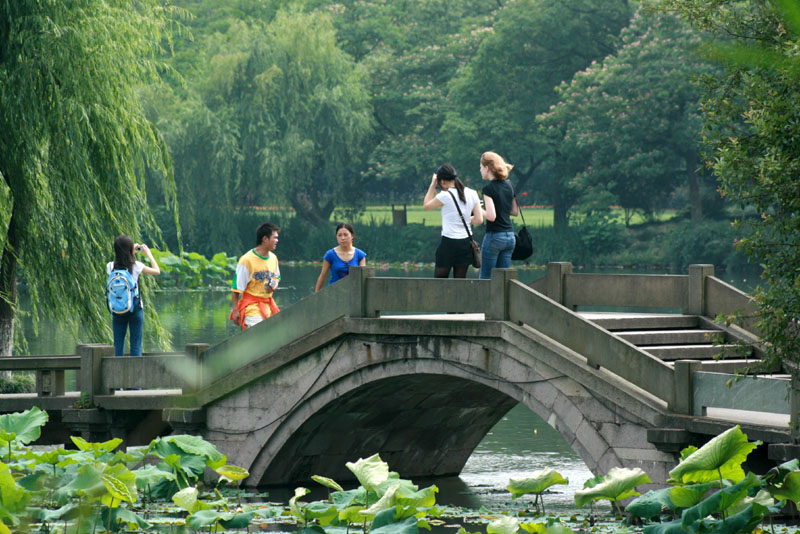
22 427
503 525
13 498
538 482
407 526
4 528
651 504
194 445
151 474
323 512
207 518
722 456
387 500
409 504
371 472
385 517
120 483
534 528
97 448
294 507
673 527
187 499
688 496
327 482
344 499
232 472
789 489
719 501
116 516
617 485
351 514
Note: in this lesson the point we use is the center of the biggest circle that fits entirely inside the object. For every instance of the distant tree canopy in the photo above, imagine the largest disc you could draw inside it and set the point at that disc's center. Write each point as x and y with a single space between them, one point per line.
533 46
629 125
74 147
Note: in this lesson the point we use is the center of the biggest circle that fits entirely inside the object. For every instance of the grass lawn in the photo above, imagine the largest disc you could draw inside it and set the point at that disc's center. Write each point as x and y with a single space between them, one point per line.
535 217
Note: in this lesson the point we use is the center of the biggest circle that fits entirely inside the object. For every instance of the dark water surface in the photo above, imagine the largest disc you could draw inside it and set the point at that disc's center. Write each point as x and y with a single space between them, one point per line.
518 445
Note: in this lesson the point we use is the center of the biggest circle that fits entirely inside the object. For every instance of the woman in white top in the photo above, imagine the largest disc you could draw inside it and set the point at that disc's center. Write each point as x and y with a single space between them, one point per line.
124 248
455 249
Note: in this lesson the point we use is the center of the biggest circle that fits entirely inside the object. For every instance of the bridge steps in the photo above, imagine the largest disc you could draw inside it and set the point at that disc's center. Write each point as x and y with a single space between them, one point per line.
671 337
693 352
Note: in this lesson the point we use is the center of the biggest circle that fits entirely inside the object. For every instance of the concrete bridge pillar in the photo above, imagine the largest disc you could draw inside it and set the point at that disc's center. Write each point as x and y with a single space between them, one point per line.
696 303
91 377
556 271
498 306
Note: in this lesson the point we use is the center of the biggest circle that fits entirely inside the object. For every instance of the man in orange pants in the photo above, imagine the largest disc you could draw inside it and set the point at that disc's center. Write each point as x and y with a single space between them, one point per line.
257 277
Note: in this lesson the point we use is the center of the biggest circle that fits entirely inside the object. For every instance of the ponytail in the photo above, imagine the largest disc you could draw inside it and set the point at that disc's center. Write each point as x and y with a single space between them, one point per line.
460 187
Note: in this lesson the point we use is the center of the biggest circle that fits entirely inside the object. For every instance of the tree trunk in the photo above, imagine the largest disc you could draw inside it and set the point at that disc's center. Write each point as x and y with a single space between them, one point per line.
560 216
695 200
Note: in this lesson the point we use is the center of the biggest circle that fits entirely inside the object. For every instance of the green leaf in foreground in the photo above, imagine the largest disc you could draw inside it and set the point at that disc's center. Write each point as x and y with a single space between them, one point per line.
537 483
26 426
327 482
617 485
722 456
503 525
651 504
371 472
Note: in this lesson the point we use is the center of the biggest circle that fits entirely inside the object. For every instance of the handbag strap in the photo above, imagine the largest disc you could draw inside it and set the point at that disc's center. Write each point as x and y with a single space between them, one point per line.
518 206
460 214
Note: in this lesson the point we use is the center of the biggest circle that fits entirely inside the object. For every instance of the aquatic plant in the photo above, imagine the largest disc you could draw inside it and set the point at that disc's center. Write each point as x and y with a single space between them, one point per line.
536 484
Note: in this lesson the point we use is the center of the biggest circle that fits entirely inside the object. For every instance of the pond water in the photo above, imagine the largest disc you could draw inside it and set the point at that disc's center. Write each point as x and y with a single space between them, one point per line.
520 443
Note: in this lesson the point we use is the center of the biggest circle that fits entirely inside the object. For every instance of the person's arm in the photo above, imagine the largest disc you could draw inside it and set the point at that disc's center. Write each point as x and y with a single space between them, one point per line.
235 296
514 207
153 269
363 262
431 202
322 275
490 213
477 213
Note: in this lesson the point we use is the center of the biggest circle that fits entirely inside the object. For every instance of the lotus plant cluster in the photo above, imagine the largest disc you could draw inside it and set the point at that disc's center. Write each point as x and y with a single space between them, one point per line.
709 491
93 488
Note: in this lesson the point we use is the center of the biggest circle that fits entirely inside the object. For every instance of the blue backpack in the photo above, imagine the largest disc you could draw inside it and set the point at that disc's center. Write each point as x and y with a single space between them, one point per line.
122 292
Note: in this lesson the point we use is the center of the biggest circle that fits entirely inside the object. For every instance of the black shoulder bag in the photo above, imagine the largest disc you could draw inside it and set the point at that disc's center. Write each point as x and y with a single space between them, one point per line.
476 249
524 247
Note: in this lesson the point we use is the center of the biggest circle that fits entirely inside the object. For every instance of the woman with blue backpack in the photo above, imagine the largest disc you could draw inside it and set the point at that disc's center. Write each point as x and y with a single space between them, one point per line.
122 291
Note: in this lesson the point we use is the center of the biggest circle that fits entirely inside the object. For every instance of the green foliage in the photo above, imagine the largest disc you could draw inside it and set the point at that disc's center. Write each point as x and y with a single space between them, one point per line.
17 383
628 125
720 458
710 242
532 47
619 484
752 137
76 146
537 483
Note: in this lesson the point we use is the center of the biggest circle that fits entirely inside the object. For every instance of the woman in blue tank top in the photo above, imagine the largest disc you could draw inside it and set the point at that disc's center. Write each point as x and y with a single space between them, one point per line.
338 260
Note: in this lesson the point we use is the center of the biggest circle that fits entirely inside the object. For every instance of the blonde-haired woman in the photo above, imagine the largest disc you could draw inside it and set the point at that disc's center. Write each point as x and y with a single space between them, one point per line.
500 205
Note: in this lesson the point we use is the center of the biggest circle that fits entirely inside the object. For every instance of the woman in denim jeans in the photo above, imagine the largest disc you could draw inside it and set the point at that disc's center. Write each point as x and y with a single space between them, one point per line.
500 205
124 248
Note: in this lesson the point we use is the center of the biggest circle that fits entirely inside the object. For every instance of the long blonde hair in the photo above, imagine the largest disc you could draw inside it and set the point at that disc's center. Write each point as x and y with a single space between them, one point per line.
496 165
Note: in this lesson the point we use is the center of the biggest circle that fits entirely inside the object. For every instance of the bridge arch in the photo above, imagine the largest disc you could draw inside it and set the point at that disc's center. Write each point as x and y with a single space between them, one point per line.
423 401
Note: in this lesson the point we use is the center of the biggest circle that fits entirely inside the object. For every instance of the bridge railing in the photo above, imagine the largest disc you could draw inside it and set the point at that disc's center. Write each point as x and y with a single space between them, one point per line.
697 293
527 306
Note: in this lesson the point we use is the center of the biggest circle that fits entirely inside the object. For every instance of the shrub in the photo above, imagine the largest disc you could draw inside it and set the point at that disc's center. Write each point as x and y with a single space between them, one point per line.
23 382
705 242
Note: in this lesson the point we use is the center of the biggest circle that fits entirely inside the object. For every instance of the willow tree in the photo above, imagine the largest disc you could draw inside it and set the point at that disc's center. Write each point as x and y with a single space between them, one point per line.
302 111
74 147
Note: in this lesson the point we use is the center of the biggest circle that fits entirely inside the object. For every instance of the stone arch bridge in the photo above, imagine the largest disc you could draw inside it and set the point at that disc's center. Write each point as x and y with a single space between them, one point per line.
421 369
